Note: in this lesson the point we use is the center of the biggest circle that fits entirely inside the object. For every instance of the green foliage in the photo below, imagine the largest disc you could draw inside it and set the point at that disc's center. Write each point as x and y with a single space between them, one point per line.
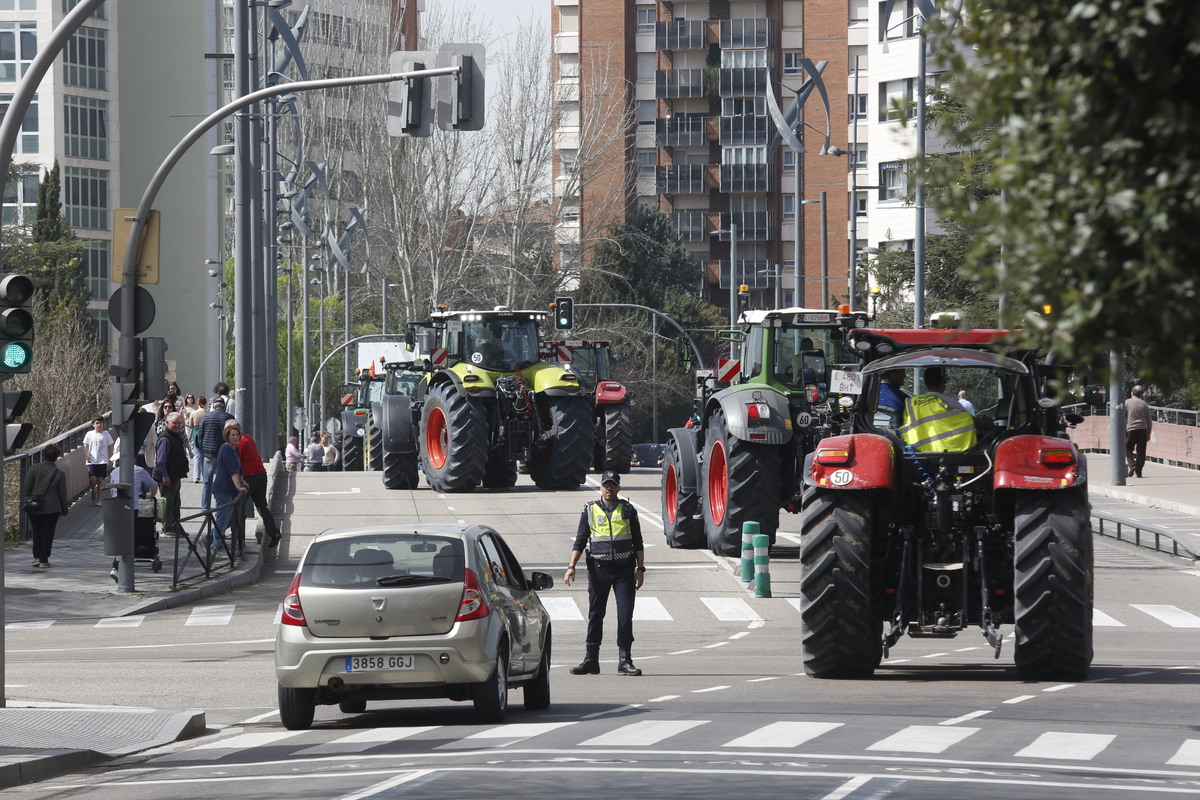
1086 115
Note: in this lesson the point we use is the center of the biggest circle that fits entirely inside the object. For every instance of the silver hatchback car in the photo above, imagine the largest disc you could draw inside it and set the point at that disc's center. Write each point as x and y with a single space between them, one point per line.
402 612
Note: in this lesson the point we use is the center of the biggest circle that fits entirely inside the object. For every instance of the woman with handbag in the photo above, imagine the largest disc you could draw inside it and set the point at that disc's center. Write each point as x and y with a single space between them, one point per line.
45 493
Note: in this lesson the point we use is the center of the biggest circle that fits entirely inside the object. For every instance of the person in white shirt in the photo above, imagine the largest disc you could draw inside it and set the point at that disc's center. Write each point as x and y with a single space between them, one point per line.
98 447
967 405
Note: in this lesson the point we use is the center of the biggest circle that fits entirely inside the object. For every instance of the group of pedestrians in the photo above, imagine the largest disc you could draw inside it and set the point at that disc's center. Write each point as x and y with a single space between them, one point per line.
320 455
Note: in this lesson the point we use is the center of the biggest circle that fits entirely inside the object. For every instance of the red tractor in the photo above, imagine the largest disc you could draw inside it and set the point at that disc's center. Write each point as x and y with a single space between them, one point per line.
900 536
611 412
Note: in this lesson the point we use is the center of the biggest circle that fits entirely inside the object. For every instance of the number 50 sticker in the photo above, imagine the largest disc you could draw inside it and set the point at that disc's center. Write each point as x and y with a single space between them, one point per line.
841 477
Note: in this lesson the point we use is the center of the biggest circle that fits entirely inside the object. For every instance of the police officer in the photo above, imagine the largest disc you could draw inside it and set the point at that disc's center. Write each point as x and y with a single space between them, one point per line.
610 530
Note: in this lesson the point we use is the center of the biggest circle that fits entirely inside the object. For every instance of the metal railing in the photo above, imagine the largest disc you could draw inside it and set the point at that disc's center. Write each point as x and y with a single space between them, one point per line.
209 542
71 464
1144 534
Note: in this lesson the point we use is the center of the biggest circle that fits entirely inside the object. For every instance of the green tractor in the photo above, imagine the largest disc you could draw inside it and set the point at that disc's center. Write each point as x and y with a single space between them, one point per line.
490 401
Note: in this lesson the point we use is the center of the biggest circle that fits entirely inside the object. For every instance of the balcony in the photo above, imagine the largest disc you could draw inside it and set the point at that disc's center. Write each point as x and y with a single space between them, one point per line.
752 226
744 81
671 83
745 34
680 179
680 130
755 273
679 34
691 225
742 178
745 130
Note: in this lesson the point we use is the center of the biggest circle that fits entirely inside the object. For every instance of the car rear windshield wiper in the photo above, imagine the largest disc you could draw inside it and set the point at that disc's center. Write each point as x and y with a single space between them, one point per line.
408 580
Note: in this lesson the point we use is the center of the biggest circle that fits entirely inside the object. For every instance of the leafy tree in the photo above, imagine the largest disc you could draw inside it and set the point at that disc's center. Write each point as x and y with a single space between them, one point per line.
1096 165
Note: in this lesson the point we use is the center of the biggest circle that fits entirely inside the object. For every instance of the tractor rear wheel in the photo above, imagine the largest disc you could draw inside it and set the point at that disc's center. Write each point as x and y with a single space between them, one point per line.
615 442
562 460
454 440
680 509
352 453
742 483
375 436
501 472
839 635
400 471
1052 585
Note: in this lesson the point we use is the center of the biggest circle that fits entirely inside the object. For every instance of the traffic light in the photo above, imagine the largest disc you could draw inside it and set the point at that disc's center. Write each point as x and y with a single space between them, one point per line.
564 313
124 402
16 324
410 101
461 96
15 433
154 367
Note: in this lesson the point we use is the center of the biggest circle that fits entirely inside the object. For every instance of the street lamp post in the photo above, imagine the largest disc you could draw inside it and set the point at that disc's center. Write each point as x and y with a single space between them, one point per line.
386 286
824 201
733 284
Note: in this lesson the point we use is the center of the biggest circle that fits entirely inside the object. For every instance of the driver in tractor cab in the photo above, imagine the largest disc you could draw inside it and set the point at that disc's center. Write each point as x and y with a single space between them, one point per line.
497 353
935 422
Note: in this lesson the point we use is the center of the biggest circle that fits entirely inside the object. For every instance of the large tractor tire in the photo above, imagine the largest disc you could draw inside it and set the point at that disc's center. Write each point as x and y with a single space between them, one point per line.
1052 585
680 510
501 472
454 440
375 434
839 635
741 483
614 442
352 443
400 471
561 462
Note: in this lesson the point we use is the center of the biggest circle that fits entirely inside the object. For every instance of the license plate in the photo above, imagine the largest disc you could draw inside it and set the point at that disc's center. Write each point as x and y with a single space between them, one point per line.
379 663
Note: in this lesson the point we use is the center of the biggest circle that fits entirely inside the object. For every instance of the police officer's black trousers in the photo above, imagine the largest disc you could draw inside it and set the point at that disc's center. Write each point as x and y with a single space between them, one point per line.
616 576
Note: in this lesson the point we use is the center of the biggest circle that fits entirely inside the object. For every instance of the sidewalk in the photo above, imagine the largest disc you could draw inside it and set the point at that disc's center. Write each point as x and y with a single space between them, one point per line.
38 741
1171 488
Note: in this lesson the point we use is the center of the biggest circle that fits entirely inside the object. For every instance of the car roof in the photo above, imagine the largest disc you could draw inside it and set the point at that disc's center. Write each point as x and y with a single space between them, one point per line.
945 357
418 529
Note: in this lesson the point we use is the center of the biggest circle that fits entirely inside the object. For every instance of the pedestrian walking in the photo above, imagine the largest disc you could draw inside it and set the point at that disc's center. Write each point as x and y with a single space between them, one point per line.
227 479
610 530
46 483
212 428
293 458
1138 424
254 475
331 456
98 450
170 468
314 454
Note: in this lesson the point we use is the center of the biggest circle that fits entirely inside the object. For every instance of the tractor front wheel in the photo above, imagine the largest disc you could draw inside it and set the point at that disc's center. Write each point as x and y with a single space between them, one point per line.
454 440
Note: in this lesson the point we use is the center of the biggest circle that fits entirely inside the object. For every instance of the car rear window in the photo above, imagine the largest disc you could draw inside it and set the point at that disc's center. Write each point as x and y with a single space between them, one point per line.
399 560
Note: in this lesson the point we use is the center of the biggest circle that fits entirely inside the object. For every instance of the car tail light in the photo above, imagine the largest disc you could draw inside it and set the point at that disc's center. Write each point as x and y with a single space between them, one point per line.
472 605
830 456
293 614
1057 458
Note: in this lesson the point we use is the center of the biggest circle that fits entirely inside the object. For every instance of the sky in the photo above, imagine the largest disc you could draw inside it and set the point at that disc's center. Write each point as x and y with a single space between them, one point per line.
504 13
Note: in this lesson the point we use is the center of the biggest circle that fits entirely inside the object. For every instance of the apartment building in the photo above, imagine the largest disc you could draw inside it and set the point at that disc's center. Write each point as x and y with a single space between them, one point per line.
692 77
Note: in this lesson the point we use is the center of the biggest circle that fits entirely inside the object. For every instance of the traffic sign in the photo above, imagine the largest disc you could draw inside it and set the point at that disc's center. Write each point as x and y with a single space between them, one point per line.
727 369
148 257
348 399
143 310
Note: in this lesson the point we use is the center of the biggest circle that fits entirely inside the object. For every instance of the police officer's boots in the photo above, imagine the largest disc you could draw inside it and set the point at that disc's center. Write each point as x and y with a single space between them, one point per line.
590 664
625 664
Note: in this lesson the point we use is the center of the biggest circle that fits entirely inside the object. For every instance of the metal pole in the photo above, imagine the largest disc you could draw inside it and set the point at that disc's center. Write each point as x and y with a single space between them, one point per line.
798 256
383 314
287 422
321 343
243 248
304 351
919 202
654 377
346 325
733 315
853 293
824 252
1117 471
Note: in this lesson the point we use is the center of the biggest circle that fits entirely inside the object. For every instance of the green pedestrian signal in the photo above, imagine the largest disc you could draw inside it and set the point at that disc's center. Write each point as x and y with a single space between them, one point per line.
16 324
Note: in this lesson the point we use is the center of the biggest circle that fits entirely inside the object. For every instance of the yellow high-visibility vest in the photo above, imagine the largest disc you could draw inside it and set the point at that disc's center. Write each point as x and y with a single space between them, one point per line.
610 537
932 426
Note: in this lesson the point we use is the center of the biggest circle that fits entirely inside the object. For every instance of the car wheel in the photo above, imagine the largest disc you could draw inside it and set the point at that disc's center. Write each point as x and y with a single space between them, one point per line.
537 692
297 707
352 706
491 696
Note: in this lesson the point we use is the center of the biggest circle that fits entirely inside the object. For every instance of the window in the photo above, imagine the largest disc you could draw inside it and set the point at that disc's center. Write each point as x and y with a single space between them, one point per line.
647 160
85 131
895 98
96 263
900 24
568 19
18 48
27 140
85 59
860 204
858 157
791 62
20 199
85 197
789 161
568 67
857 58
789 208
67 7
743 58
568 115
568 162
858 106
647 63
743 155
743 106
21 5
893 180
646 111
646 17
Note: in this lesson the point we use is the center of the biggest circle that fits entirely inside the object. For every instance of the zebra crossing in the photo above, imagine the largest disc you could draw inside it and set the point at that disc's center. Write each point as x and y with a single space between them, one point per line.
569 608
821 737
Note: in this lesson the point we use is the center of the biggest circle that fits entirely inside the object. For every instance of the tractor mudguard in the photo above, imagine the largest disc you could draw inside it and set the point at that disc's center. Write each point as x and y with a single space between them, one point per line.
775 427
549 379
854 461
686 440
610 393
1021 463
398 433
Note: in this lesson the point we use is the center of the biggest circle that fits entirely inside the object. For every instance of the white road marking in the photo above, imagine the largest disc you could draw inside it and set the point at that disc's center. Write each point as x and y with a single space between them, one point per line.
1188 754
211 615
730 609
383 786
1172 615
1102 620
650 609
784 734
211 751
363 740
847 788
120 622
645 733
1059 688
503 735
965 718
562 608
355 490
709 689
1020 698
1071 746
27 626
923 739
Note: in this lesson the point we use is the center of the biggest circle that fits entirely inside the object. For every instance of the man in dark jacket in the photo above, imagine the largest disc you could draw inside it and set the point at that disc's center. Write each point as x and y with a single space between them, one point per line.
170 468
212 433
